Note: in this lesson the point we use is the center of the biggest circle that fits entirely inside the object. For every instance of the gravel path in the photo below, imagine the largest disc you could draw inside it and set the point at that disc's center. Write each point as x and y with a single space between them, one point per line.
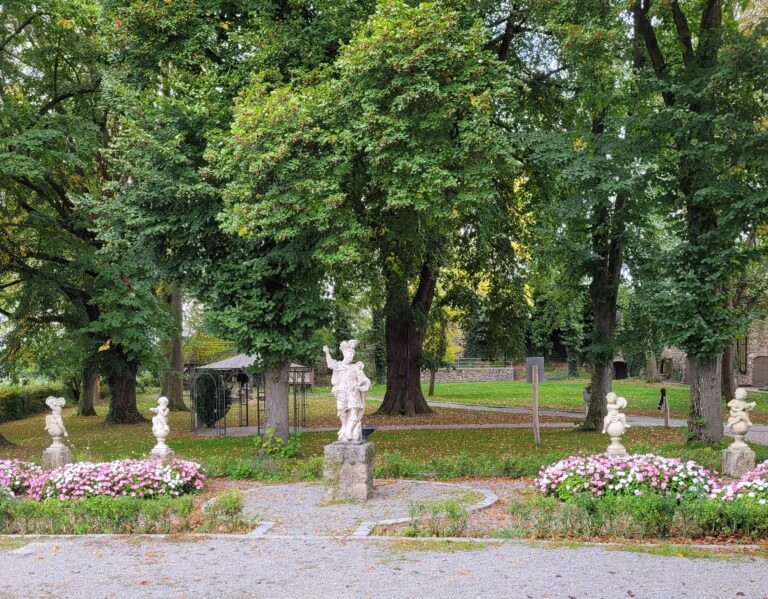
281 567
299 509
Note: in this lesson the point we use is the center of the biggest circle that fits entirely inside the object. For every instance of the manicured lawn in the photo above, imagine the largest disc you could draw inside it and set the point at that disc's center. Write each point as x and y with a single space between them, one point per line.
642 398
92 439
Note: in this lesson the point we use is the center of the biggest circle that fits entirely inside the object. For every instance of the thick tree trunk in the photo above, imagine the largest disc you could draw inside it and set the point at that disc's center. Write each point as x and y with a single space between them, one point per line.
432 376
651 366
379 346
122 403
276 399
172 385
405 328
89 393
602 378
705 420
728 384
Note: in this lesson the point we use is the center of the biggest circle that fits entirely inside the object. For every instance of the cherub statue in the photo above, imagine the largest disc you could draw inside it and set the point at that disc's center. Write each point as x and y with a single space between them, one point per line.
54 424
350 385
160 427
615 423
738 420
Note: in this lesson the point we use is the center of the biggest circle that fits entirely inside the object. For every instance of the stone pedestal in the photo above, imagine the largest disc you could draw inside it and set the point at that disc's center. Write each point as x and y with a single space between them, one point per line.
163 453
616 448
55 456
348 471
737 460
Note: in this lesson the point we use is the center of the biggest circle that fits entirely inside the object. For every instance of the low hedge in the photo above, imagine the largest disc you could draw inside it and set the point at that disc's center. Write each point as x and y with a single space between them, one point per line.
18 402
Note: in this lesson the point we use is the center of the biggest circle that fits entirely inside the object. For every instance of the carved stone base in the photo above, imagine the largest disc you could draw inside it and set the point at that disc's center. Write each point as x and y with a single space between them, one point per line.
348 471
163 453
737 460
616 448
55 457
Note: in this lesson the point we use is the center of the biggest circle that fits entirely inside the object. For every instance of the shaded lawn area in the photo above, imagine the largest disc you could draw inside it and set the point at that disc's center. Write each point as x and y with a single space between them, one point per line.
92 439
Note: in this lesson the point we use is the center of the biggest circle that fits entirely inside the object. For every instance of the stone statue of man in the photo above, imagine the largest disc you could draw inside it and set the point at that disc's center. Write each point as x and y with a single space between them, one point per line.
349 387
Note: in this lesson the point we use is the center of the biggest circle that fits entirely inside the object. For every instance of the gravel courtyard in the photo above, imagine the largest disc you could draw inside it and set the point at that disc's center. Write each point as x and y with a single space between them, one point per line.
291 567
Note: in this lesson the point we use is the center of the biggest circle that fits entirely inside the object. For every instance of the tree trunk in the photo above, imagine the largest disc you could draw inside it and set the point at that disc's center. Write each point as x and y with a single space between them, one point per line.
728 385
432 376
172 385
379 346
122 388
89 393
573 363
405 328
276 394
605 270
602 378
651 366
705 420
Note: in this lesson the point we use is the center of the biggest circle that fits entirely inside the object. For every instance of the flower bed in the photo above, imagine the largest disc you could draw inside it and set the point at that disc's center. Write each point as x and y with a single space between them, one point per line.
121 478
16 476
632 475
753 486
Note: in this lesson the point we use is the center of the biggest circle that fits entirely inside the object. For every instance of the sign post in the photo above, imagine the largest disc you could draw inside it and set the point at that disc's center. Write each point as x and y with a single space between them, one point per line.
666 412
534 368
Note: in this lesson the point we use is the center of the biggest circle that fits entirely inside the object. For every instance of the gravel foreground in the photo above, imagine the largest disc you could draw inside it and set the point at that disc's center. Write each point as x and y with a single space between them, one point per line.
291 567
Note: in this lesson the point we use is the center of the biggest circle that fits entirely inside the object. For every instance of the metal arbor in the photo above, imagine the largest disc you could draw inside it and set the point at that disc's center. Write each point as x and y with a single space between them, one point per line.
217 389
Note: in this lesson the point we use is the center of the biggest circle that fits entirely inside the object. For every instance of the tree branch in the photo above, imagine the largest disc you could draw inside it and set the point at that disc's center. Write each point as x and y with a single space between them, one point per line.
647 33
683 32
711 20
55 101
21 27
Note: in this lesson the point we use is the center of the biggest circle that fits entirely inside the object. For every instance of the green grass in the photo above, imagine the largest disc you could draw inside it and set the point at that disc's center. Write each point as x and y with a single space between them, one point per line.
443 546
642 398
446 453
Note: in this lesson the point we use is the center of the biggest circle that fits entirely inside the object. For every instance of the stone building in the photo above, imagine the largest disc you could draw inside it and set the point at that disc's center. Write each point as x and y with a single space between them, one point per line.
751 359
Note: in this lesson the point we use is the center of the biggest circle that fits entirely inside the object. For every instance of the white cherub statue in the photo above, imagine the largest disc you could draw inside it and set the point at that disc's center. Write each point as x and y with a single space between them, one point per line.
615 423
54 424
160 427
349 386
738 420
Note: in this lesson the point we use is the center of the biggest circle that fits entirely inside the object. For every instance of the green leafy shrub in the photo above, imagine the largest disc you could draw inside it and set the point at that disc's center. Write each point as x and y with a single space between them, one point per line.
207 402
270 445
19 401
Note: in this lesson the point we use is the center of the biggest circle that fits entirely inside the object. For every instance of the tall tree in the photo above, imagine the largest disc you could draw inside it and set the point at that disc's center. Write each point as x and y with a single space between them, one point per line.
707 80
393 161
52 129
177 68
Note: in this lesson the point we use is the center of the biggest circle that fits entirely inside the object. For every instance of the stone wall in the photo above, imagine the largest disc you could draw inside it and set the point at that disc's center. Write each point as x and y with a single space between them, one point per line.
475 375
674 364
757 346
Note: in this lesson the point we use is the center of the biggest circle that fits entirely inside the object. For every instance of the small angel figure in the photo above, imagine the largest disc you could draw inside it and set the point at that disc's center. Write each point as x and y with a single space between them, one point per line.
349 387
738 420
615 423
54 424
160 427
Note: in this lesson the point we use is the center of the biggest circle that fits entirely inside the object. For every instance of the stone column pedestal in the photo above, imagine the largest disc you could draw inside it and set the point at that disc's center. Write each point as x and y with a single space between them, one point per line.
616 448
348 471
162 453
56 455
738 459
